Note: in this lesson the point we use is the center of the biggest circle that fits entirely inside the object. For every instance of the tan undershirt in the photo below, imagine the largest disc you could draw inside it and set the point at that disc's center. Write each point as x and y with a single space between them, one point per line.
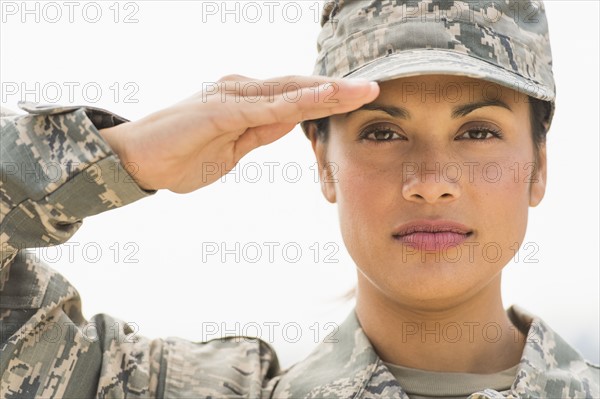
421 384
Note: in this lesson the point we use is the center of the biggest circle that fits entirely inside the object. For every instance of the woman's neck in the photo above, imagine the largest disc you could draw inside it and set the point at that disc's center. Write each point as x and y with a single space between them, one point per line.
473 337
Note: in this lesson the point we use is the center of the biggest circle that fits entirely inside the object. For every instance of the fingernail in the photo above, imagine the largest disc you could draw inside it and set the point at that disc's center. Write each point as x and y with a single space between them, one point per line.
358 82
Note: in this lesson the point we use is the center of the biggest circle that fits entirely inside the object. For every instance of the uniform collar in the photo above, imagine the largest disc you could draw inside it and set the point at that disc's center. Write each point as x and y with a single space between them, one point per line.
345 365
348 366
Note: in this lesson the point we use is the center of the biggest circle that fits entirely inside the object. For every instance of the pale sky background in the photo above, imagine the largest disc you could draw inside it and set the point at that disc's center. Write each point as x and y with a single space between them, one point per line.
165 57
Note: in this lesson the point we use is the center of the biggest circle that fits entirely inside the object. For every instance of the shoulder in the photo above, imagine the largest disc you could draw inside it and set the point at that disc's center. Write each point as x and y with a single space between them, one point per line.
41 321
550 366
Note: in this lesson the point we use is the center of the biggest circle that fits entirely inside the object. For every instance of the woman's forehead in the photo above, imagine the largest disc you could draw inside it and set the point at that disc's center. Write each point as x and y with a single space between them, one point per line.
417 98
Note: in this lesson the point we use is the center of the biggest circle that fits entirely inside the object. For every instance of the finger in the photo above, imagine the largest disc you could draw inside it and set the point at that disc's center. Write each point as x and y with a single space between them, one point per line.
295 82
258 87
236 87
278 84
235 77
262 135
259 136
298 105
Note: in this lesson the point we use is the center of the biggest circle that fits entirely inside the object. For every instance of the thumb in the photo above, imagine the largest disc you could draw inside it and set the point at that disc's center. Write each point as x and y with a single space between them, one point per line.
258 136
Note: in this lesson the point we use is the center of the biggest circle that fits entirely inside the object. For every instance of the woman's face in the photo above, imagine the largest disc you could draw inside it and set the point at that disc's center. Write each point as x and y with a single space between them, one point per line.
433 149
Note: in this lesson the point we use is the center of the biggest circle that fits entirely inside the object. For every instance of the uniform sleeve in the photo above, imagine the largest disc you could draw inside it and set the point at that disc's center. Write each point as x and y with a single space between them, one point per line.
56 169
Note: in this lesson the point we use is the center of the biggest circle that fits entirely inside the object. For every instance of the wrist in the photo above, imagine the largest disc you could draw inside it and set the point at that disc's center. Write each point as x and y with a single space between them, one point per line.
115 136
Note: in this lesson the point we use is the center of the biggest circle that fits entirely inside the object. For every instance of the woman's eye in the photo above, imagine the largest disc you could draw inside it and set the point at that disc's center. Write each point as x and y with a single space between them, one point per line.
381 135
480 134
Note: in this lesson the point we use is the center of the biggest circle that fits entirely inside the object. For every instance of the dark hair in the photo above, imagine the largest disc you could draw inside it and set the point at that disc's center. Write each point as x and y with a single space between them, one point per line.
539 112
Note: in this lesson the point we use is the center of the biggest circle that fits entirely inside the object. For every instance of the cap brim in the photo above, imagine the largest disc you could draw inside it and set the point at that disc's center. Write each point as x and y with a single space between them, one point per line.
447 62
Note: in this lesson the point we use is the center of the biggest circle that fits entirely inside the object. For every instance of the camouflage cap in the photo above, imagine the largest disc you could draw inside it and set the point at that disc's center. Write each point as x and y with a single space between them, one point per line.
502 41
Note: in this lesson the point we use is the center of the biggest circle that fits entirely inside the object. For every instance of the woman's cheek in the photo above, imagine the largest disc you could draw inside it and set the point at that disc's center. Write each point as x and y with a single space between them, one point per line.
364 196
503 203
355 191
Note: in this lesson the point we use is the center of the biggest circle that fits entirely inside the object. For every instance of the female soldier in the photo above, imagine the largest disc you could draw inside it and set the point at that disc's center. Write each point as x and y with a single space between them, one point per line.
463 94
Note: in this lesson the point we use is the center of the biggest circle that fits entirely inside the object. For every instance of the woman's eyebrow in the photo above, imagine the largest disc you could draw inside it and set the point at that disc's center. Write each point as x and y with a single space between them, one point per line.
396 112
457 112
464 109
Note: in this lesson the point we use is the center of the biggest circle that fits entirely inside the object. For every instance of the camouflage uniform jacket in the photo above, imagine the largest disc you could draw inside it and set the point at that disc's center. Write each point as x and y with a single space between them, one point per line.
49 350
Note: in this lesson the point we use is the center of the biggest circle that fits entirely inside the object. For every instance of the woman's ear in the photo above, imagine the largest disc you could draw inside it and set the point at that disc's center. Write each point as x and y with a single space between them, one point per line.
326 172
537 189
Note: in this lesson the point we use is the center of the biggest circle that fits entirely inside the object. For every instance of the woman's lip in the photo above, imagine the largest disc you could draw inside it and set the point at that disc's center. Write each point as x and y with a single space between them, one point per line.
431 226
436 241
432 235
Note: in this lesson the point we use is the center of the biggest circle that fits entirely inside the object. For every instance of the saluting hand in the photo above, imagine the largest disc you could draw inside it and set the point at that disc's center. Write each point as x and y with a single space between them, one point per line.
233 116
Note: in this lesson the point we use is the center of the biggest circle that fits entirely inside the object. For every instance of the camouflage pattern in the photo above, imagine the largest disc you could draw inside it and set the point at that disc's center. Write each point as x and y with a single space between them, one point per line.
504 41
350 368
42 157
49 350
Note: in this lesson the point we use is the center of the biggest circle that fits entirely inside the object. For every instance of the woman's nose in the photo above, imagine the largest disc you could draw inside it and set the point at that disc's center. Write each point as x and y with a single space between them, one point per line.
430 182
